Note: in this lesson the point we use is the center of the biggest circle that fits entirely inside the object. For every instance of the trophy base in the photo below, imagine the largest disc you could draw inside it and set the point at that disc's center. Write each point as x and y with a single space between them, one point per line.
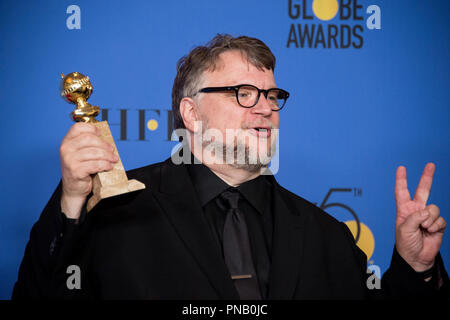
113 182
113 190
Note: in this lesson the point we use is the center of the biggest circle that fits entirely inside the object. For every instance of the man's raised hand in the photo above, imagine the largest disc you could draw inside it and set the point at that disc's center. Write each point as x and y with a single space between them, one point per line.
82 153
418 228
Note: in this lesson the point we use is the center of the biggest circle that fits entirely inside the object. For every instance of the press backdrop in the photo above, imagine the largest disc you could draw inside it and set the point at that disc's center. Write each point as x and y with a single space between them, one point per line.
369 83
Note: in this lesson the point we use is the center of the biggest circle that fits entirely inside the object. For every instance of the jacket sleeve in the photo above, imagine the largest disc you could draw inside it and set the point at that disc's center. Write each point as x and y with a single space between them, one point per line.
39 259
400 281
42 272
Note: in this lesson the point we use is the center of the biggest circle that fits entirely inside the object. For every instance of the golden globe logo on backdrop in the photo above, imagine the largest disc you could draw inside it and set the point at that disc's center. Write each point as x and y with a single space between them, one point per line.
330 24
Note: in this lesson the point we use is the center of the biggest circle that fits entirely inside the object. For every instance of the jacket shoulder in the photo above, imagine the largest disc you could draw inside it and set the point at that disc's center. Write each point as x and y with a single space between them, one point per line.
150 174
319 222
303 206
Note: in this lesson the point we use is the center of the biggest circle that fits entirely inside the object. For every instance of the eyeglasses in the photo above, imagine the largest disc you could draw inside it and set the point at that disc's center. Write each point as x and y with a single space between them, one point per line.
248 95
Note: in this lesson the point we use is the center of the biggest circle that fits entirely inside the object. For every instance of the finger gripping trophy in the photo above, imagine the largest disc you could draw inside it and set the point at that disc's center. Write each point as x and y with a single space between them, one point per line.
76 88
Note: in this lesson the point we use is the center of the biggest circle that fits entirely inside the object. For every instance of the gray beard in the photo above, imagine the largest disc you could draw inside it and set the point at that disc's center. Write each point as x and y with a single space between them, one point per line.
240 151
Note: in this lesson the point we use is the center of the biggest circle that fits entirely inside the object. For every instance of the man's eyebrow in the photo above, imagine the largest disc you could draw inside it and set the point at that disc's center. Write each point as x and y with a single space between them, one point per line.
236 83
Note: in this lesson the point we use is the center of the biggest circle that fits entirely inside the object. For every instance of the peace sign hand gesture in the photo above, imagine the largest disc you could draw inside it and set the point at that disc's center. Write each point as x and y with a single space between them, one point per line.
418 228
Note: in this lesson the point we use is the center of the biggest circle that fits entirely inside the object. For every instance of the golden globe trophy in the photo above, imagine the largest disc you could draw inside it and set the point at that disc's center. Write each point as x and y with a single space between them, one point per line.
76 88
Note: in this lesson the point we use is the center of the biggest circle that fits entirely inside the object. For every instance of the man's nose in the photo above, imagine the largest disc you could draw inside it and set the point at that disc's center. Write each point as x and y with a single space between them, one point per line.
262 107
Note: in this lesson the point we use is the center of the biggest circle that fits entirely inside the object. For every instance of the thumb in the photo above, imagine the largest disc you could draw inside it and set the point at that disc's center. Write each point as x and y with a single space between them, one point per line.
414 220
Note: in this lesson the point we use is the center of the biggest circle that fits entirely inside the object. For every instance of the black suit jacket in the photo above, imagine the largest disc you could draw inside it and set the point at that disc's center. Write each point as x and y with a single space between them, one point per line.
156 244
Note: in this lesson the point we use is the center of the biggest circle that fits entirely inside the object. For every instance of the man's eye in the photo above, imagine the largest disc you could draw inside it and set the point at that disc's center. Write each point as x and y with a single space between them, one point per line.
244 94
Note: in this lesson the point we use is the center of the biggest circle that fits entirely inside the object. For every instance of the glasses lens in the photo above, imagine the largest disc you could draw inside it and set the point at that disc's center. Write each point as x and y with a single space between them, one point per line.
276 98
247 96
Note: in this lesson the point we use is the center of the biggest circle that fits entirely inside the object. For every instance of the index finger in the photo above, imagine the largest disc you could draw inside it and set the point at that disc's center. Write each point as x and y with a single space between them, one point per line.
424 187
81 127
401 187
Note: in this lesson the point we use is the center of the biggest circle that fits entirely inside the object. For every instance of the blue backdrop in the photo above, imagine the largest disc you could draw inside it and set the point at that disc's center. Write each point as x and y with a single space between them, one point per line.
369 92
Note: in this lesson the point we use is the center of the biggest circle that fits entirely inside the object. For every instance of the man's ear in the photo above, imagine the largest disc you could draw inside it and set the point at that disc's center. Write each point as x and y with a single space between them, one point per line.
188 111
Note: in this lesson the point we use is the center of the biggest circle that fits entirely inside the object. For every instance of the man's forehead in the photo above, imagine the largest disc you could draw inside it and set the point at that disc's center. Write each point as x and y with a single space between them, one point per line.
233 57
234 66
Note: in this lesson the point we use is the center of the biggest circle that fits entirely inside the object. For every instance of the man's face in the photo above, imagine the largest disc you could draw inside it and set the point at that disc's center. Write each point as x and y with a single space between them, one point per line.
221 111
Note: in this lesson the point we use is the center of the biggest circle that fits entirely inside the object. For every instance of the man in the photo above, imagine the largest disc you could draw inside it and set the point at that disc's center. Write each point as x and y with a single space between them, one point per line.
218 229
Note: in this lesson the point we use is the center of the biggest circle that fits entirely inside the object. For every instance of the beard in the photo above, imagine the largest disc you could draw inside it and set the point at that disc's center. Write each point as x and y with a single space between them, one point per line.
239 149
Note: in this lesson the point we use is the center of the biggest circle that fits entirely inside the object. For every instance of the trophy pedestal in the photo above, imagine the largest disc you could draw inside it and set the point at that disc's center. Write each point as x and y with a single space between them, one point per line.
114 182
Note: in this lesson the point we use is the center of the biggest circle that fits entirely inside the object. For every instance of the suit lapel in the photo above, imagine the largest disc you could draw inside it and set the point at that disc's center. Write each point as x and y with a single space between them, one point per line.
177 198
287 251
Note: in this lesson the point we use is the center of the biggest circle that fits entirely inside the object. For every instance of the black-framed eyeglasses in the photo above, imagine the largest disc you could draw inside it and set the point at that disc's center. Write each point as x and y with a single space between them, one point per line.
248 95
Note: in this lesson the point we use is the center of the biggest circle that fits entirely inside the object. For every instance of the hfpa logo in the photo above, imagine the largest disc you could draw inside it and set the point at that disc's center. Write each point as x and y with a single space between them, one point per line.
136 124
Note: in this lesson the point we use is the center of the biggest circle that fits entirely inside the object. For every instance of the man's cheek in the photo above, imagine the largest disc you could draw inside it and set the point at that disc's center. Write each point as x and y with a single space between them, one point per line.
276 121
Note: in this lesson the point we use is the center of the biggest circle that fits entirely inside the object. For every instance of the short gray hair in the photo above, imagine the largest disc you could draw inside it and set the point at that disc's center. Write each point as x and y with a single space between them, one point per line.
191 67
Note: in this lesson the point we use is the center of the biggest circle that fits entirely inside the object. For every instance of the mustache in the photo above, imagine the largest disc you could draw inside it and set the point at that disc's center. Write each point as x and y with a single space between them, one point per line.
262 123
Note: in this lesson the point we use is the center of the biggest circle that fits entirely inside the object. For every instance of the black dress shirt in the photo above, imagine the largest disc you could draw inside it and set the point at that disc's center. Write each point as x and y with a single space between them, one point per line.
255 203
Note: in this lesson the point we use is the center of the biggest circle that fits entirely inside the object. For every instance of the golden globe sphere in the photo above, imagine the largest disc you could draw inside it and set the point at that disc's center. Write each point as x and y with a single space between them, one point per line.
76 88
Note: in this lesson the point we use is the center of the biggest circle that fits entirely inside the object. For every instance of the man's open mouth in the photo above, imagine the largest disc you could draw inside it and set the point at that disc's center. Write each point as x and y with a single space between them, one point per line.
261 131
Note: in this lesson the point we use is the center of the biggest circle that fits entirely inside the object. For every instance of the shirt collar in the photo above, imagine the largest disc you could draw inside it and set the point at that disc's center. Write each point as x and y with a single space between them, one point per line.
258 192
208 186
206 183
